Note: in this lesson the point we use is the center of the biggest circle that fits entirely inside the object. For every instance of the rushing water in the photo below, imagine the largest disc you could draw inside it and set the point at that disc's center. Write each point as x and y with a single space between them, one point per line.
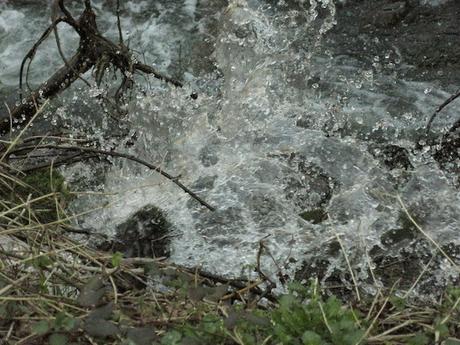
282 125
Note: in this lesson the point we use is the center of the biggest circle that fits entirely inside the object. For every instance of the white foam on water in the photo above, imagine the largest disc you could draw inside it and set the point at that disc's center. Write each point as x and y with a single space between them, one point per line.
234 147
240 146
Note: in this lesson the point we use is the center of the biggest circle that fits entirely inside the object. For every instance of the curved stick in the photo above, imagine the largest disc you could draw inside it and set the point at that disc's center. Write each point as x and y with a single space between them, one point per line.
67 14
173 179
31 53
441 107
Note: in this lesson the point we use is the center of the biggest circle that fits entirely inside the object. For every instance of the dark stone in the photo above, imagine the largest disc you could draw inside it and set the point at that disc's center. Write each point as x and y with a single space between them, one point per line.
400 258
314 216
392 156
404 263
448 154
312 269
397 236
318 264
390 13
265 212
145 234
427 37
405 267
335 279
221 223
404 252
310 188
208 157
244 31
204 183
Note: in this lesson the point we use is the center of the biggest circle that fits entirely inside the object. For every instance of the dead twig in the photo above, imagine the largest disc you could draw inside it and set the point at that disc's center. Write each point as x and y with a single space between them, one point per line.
174 179
120 32
441 107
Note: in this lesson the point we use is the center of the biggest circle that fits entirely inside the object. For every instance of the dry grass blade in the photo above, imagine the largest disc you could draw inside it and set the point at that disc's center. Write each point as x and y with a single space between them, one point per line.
18 137
424 233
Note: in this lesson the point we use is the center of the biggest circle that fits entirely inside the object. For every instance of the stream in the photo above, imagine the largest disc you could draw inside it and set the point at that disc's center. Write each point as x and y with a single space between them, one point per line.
303 135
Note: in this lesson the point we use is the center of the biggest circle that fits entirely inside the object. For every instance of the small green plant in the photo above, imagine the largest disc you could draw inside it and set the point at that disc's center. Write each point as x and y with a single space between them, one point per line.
57 328
117 257
57 290
44 191
302 318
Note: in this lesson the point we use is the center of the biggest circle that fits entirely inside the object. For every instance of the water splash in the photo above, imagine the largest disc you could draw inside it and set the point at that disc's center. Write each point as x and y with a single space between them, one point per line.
281 127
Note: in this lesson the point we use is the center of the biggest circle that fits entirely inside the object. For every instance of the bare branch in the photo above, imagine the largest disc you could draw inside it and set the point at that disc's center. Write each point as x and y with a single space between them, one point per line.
61 53
66 13
31 53
93 50
173 179
441 107
120 33
150 70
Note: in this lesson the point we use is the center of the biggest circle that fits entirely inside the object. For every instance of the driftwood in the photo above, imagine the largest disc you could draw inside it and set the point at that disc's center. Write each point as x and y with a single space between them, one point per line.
94 51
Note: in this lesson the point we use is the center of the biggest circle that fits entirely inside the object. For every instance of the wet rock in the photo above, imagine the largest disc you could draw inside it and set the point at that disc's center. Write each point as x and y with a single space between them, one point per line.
397 236
314 216
145 234
390 13
325 264
395 105
426 37
221 222
448 154
310 187
265 212
392 156
208 156
404 263
401 258
404 266
204 183
401 263
404 253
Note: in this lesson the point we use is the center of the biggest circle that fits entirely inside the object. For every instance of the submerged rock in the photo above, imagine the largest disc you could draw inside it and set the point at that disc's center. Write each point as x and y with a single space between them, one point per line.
392 156
404 258
314 216
425 37
145 234
448 154
390 13
309 187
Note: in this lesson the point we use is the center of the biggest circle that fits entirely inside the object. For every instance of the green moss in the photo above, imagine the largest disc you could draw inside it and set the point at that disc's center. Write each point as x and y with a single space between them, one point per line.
46 181
38 184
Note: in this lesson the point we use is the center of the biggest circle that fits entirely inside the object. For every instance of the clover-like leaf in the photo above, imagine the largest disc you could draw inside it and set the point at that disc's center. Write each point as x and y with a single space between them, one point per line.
58 339
92 292
142 336
42 327
100 328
